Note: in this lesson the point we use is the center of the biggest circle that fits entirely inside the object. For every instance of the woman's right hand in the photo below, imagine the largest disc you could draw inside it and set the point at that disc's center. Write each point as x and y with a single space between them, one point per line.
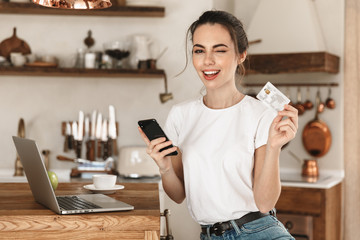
153 149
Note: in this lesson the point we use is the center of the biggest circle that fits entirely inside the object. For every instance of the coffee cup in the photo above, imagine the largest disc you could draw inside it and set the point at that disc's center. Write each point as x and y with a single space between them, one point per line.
104 181
17 59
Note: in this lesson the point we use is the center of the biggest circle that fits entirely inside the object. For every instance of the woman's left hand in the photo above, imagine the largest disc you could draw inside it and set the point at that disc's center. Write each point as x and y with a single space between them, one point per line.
284 127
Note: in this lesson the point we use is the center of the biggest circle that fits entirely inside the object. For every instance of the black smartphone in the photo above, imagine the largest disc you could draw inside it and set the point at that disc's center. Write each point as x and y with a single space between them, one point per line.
152 130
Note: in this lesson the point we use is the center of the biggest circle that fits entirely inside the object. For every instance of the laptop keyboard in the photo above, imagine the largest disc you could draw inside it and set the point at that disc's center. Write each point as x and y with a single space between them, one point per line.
75 203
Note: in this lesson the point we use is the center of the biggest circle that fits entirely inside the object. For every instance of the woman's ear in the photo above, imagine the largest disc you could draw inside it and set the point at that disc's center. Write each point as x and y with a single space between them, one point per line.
242 57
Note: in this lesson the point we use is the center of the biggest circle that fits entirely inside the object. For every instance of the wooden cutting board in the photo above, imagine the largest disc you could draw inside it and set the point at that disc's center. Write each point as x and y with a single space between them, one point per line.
13 44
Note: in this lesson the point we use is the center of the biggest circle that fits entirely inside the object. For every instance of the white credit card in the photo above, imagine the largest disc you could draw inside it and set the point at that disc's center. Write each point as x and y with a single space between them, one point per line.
272 96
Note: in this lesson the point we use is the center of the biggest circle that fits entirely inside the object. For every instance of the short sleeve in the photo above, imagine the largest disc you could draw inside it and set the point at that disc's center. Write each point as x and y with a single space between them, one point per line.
172 126
262 131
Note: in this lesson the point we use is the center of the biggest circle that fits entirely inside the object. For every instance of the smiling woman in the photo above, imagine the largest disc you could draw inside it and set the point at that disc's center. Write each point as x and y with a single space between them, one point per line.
215 57
228 143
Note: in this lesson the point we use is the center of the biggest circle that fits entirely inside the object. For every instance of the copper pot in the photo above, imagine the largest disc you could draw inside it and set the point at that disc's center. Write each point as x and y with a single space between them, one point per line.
316 136
330 102
310 168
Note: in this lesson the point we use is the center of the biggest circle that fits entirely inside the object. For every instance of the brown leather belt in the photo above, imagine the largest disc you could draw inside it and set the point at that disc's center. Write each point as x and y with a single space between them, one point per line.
220 227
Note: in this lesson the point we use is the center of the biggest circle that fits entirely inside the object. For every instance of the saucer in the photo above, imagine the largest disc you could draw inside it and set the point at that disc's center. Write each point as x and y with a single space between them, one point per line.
92 188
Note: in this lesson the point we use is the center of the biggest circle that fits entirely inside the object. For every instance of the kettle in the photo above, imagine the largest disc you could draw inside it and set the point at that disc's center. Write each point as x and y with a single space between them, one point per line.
141 50
309 167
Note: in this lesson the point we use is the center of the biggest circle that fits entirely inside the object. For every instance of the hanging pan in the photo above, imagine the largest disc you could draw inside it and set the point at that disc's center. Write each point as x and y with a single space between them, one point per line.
316 135
13 44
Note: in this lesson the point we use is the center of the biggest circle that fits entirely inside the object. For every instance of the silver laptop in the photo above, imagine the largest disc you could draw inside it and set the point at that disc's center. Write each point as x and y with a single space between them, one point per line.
43 192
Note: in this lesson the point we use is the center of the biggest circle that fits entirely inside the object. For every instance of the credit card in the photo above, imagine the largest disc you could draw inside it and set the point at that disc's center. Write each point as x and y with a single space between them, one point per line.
272 97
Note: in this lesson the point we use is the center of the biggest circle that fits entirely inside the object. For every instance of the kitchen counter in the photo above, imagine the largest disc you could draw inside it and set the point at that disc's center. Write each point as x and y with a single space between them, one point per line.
23 218
6 175
327 179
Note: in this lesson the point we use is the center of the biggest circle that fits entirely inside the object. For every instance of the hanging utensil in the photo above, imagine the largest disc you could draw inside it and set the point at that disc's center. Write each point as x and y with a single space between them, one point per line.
166 96
89 40
287 93
316 136
19 170
308 105
299 105
321 104
330 103
13 44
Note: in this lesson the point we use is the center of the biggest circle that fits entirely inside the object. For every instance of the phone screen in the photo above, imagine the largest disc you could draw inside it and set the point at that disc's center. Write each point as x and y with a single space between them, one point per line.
152 130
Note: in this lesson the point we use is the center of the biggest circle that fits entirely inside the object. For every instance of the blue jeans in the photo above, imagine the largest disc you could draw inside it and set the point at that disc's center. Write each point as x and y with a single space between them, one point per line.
264 228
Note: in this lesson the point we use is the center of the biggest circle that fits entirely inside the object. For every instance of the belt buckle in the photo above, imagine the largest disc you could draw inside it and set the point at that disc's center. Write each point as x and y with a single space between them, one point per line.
218 230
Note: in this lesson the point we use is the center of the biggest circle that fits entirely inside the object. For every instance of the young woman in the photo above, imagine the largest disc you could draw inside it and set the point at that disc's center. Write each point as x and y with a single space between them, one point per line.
228 143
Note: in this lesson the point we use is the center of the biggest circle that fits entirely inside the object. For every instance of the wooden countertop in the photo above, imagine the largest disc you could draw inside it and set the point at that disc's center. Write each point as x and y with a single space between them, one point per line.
23 218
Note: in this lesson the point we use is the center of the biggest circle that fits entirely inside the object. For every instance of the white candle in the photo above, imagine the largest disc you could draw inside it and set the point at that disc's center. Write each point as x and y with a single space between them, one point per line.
104 135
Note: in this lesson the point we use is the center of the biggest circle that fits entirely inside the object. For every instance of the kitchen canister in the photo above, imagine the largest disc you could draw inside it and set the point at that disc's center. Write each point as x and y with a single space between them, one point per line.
90 60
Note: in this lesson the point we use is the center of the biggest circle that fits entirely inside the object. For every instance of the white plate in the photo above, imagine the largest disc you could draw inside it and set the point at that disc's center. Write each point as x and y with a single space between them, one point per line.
92 188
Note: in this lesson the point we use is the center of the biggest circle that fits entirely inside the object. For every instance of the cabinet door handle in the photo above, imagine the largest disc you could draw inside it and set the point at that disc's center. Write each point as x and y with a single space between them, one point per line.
289 225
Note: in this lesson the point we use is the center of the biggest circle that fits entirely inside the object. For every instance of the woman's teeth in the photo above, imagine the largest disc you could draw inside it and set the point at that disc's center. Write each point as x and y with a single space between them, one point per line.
211 73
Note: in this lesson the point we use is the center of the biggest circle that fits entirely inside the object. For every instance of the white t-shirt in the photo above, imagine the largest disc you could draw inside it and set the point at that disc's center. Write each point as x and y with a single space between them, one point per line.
217 148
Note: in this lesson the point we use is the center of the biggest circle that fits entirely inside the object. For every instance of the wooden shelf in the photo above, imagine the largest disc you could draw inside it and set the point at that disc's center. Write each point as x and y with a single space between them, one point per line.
76 72
292 63
114 11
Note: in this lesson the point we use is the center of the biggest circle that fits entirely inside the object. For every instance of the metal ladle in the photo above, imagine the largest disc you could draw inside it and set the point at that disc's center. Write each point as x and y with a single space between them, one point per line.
166 96
288 96
308 105
321 104
299 105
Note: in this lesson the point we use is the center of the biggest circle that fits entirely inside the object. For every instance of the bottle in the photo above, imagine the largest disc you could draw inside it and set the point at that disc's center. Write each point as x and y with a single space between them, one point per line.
80 58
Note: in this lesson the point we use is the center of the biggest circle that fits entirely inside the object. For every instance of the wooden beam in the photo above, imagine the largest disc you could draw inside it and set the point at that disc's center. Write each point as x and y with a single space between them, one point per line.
292 63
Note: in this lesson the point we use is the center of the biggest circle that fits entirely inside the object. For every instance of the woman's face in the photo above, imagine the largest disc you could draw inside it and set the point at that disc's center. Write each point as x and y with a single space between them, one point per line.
214 56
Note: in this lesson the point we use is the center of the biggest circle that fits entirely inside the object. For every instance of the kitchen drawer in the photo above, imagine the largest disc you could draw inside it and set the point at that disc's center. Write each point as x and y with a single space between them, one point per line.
306 201
300 226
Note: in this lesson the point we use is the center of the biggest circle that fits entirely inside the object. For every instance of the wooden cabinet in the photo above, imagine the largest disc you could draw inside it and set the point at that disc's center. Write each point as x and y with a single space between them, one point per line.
317 210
